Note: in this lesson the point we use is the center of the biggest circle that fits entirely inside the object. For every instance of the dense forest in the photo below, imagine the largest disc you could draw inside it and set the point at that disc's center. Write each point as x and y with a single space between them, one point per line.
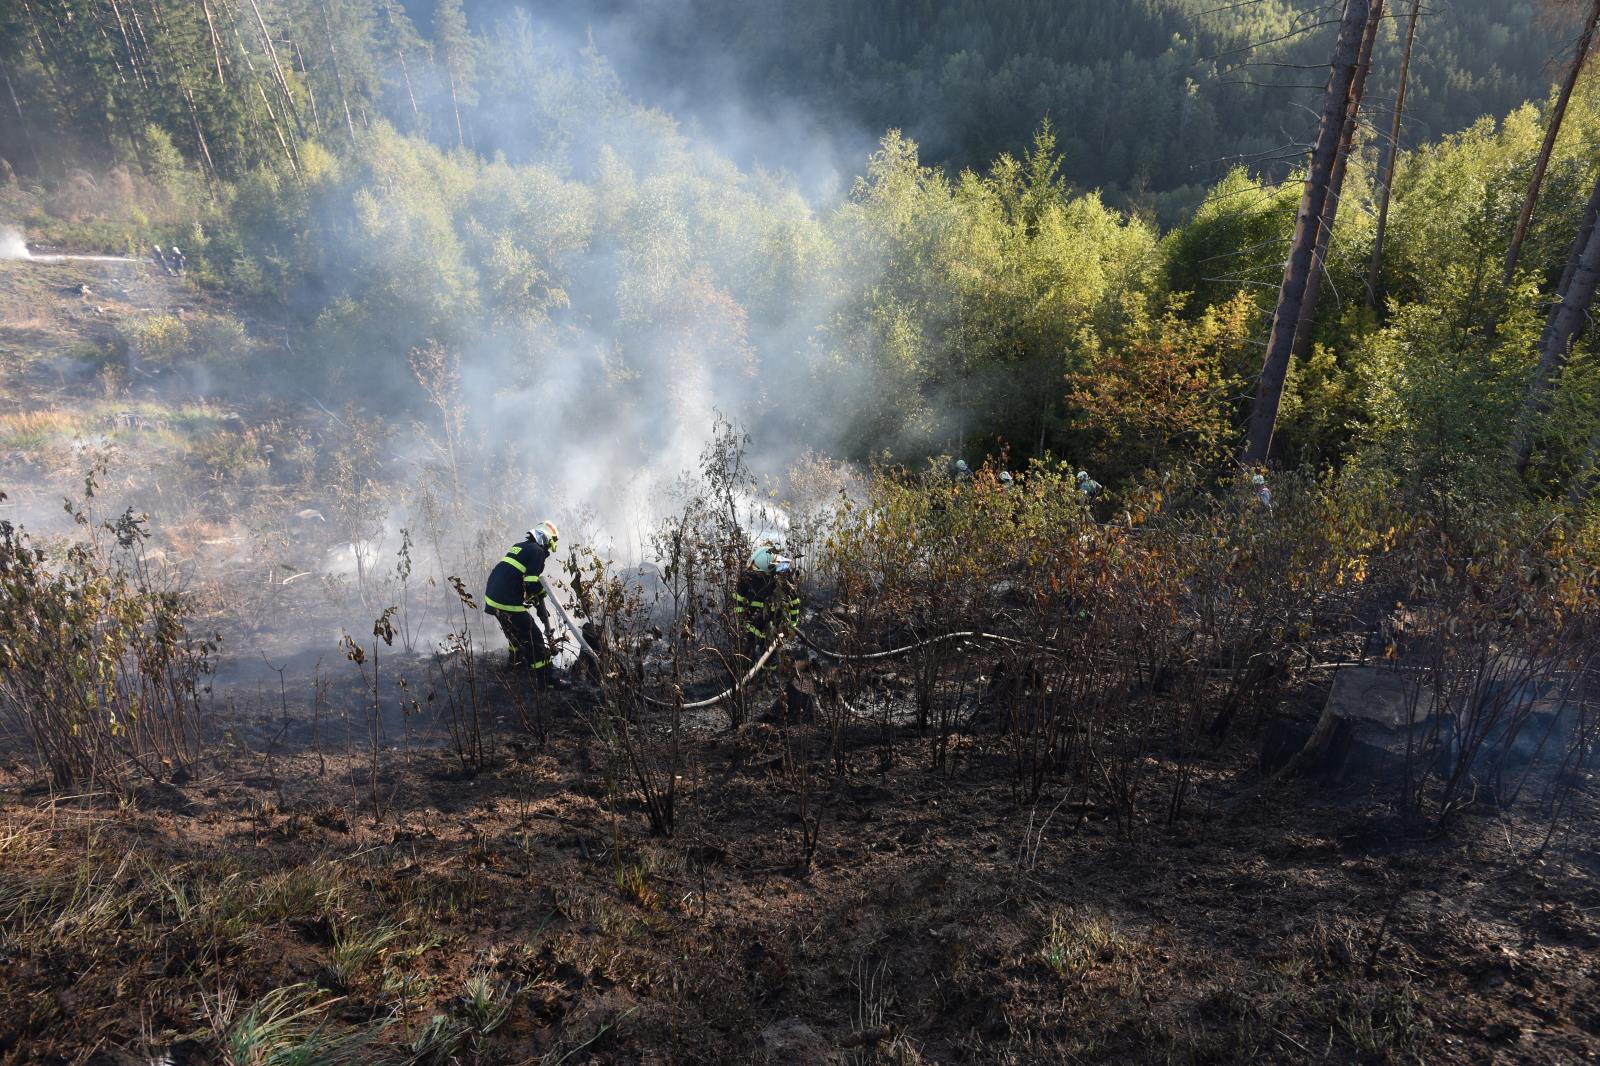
1154 99
499 193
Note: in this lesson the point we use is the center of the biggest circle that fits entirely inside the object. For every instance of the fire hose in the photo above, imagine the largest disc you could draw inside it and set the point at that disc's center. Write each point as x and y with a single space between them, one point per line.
755 668
728 693
734 689
698 705
895 653
577 634
837 656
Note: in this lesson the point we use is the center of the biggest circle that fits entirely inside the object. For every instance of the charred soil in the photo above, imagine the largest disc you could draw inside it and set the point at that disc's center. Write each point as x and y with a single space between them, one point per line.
529 907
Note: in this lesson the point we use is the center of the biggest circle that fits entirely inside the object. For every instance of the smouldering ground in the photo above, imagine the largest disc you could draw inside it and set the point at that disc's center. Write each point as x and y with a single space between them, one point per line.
531 909
527 914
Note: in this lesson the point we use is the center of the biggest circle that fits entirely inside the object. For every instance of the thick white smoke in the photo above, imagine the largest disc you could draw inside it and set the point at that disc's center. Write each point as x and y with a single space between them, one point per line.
688 305
12 246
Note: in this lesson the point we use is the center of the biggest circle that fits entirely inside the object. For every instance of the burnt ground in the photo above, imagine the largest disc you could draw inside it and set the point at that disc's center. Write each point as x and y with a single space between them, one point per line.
941 921
531 910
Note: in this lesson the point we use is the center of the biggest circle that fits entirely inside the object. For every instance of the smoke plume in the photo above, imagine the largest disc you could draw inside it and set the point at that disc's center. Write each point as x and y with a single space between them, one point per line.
12 246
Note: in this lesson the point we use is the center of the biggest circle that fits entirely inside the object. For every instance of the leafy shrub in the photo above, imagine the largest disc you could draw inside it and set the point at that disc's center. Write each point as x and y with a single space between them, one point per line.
205 339
159 341
216 340
230 456
97 667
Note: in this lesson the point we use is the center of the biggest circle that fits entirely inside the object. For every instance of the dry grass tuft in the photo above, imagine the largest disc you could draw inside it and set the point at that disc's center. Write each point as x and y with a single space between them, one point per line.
33 430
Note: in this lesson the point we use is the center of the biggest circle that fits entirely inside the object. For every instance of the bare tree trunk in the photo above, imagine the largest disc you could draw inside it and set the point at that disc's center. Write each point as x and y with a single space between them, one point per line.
461 140
311 94
1561 328
38 37
277 68
210 168
1386 182
22 121
105 35
1296 271
284 141
127 43
216 46
1552 131
1341 166
338 74
405 75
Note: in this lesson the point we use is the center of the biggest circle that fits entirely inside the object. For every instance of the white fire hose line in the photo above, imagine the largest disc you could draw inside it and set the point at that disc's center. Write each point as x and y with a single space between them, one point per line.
754 670
566 620
895 653
734 689
726 694
577 634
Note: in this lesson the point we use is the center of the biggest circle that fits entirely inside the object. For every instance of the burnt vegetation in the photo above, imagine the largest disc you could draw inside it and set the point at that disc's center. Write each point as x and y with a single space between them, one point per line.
1281 746
1019 739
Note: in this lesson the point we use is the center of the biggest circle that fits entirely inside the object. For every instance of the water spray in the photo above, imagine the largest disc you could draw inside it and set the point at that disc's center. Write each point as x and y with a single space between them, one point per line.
13 246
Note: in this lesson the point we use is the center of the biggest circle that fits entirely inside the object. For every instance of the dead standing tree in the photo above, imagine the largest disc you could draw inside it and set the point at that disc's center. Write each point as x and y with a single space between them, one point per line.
1567 316
1341 166
1313 203
1386 182
1552 131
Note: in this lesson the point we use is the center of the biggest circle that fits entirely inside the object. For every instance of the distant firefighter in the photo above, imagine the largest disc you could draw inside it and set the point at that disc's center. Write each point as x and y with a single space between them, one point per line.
1258 485
159 258
179 261
765 600
1087 485
515 584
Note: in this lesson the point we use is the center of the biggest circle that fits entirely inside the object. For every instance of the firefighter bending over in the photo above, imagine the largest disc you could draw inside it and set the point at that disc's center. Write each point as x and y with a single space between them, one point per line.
765 599
515 584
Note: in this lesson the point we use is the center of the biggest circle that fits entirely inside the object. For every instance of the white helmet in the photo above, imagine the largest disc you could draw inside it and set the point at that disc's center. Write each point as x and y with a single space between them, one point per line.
1257 479
544 534
961 465
1083 475
767 560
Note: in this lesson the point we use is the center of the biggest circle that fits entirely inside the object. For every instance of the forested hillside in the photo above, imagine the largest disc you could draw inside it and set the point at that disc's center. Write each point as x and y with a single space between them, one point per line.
378 184
1153 99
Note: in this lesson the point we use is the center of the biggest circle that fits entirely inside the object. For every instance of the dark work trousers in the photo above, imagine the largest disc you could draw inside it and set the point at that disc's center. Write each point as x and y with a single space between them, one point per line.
528 647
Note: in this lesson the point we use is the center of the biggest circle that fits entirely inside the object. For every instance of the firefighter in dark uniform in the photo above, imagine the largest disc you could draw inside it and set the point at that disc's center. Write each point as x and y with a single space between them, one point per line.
765 600
515 584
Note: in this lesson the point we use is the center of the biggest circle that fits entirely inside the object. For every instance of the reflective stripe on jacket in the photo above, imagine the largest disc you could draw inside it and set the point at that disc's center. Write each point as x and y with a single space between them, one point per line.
515 581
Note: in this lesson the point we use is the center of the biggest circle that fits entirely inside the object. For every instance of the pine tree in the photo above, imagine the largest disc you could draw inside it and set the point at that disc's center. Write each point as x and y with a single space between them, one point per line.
1567 316
1391 154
